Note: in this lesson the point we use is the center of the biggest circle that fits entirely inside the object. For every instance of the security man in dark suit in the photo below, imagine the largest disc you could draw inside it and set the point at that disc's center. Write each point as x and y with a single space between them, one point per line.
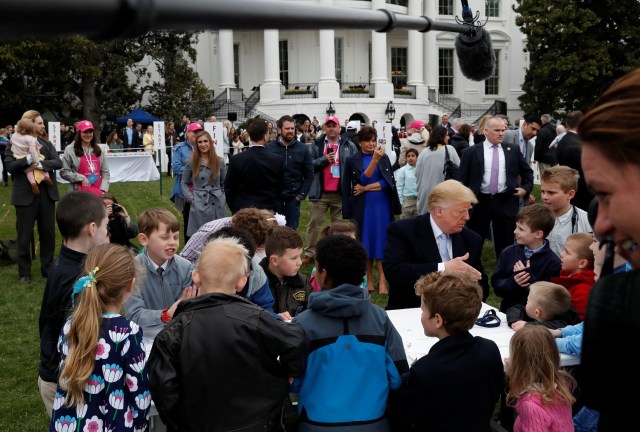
499 176
32 208
254 177
569 153
129 136
435 241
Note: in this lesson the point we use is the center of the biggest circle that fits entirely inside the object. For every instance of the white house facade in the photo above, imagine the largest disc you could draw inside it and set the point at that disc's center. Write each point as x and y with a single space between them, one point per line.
277 72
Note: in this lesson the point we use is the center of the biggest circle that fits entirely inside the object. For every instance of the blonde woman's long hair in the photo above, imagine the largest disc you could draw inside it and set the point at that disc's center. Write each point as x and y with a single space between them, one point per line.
214 160
111 268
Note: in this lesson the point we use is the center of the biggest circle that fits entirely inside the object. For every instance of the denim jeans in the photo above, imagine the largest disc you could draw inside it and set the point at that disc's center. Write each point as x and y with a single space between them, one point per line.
291 210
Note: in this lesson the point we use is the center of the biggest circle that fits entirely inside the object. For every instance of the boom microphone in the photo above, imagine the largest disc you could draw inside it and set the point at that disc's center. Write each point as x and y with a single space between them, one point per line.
474 50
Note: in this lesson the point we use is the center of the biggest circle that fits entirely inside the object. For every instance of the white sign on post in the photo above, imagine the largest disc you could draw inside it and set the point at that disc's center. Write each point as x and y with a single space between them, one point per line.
54 134
158 141
216 130
385 138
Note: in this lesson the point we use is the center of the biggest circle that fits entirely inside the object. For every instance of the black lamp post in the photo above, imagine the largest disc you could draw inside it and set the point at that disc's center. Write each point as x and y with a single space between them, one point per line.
330 110
390 111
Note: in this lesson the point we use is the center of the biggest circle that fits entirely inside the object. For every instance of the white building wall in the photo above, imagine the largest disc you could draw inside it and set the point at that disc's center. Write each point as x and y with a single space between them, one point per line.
304 64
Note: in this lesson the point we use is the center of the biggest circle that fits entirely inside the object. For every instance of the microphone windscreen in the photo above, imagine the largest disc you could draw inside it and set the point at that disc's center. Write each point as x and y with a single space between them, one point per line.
476 58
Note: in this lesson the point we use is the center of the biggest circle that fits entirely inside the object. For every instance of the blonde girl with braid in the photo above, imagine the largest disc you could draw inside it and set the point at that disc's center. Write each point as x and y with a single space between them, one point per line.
103 381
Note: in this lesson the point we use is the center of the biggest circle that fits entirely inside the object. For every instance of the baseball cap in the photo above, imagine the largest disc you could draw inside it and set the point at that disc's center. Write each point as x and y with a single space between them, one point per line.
416 124
84 125
354 124
194 127
331 119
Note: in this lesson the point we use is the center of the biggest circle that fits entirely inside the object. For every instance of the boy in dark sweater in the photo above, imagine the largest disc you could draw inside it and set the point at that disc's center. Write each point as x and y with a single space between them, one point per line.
529 260
82 221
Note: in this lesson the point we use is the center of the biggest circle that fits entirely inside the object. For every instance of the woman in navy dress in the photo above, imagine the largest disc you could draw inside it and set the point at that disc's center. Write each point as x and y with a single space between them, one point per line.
370 199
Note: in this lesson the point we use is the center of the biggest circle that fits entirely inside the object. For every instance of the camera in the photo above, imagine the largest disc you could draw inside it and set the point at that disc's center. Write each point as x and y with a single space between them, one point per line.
115 209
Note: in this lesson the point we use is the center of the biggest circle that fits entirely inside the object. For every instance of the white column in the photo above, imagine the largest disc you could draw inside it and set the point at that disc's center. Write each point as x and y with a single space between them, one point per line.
379 69
431 51
328 87
416 52
225 58
270 88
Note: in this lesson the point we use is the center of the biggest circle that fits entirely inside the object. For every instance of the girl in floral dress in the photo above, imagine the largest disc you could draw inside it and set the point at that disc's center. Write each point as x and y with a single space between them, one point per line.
103 385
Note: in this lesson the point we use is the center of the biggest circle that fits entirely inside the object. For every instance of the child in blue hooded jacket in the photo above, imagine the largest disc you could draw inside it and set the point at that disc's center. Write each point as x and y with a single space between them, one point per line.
357 355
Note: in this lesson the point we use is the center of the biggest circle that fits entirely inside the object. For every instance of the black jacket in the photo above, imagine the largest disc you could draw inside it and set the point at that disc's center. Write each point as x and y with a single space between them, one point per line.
519 313
298 168
120 233
351 136
612 326
222 363
454 387
459 143
291 295
56 307
254 179
545 137
569 153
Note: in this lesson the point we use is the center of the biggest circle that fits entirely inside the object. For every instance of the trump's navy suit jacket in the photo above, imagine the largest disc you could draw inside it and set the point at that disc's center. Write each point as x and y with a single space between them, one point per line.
412 252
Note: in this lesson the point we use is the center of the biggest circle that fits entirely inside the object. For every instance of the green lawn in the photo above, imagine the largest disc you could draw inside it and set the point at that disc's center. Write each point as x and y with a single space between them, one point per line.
20 406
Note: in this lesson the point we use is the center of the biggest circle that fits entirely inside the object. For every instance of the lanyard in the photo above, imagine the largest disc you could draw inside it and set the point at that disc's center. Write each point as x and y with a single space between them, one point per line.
92 166
335 148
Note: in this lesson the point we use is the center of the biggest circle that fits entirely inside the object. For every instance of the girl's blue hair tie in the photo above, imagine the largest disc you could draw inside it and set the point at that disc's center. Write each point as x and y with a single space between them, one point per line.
83 283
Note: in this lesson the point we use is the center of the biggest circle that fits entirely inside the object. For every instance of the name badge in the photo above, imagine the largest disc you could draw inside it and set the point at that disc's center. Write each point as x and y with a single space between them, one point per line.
335 171
92 178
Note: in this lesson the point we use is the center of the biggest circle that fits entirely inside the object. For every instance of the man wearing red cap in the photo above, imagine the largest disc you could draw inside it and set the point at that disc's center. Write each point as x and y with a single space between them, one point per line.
330 153
181 153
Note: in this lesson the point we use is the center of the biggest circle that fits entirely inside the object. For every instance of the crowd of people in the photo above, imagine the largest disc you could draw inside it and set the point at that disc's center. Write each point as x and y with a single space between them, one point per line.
233 310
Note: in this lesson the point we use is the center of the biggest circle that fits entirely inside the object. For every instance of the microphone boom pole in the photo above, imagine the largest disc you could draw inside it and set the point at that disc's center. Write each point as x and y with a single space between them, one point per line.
112 19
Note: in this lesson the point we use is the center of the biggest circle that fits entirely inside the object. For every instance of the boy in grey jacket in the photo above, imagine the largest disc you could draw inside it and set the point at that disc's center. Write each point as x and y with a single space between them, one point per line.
168 276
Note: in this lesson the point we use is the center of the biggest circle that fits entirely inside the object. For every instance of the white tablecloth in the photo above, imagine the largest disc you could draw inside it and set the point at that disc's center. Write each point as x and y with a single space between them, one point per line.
130 167
416 344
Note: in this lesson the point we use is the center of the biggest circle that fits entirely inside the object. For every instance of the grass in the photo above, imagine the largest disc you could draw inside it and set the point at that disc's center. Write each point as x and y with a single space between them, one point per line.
21 408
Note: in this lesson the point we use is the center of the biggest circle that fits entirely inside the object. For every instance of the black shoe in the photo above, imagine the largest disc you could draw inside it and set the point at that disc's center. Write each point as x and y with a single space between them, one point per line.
25 279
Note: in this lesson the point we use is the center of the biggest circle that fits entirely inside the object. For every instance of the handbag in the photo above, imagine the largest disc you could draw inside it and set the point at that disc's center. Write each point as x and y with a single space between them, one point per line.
450 170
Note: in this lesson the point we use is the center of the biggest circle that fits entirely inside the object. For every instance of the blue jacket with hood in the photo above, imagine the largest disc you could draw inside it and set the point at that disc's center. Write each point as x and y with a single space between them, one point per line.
356 357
